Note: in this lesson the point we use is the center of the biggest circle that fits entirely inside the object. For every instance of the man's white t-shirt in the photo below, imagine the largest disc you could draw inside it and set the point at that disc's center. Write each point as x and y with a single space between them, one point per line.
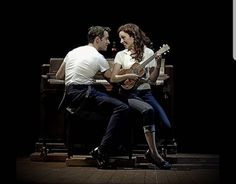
82 63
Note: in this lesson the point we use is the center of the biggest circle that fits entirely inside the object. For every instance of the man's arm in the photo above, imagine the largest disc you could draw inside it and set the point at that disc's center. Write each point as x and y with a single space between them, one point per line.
107 74
61 72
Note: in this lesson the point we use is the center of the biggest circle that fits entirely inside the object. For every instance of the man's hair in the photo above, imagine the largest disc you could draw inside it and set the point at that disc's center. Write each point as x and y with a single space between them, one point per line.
95 31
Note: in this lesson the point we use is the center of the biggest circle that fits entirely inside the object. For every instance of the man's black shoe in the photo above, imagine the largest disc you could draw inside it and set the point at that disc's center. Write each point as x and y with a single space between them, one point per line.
101 158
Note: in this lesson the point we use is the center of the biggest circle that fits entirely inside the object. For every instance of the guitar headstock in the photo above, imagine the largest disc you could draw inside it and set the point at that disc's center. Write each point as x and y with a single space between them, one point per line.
165 48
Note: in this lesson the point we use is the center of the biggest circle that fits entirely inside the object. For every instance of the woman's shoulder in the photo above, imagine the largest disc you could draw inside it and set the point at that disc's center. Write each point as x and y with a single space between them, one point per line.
148 50
122 51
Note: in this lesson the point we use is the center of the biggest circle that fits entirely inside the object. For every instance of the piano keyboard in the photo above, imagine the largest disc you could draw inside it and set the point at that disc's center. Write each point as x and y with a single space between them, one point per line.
101 81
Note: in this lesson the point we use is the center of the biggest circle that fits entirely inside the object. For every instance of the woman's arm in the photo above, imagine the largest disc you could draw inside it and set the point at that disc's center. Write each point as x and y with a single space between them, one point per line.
115 77
155 71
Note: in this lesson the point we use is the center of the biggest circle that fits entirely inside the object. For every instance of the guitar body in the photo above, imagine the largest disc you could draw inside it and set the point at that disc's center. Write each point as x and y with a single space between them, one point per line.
130 83
139 69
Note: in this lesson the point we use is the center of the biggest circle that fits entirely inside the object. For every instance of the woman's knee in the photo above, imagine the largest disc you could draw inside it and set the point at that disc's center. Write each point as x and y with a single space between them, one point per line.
148 116
149 112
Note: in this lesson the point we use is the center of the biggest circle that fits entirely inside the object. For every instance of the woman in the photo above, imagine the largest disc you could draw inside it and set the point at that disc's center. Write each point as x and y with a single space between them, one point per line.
135 85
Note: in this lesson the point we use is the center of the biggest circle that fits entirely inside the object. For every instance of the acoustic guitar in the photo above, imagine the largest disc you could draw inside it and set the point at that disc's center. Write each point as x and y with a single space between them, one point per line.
139 69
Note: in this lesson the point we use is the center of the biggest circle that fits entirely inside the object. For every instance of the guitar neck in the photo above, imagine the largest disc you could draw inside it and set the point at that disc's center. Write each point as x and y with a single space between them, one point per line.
160 51
141 66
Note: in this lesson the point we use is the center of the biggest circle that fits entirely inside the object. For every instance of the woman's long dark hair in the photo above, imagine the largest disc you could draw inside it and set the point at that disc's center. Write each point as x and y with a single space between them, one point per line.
140 39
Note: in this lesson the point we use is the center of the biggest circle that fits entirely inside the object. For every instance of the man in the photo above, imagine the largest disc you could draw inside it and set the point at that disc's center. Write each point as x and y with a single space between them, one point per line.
79 68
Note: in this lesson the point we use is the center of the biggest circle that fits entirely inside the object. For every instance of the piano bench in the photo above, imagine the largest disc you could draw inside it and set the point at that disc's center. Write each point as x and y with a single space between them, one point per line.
84 130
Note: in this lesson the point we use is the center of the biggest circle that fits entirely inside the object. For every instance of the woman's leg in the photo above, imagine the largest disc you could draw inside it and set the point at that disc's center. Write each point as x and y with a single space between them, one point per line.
147 113
148 97
149 132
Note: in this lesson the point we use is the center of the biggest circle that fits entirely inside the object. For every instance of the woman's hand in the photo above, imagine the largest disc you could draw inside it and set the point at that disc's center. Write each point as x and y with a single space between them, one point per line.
132 76
158 60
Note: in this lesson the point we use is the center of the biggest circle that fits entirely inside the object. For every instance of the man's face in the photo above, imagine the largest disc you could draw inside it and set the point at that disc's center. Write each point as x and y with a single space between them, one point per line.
104 42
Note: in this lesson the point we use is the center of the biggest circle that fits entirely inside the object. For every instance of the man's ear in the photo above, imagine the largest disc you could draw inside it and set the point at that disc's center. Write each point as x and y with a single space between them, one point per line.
97 39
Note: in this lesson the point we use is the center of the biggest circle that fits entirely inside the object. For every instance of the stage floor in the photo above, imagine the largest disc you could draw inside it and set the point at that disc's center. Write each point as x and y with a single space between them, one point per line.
187 168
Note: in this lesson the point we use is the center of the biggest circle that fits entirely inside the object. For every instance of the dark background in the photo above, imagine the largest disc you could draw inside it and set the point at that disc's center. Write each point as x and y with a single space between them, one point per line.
200 37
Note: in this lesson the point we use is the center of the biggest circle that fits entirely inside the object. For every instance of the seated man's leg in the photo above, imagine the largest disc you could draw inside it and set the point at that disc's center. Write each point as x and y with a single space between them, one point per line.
117 121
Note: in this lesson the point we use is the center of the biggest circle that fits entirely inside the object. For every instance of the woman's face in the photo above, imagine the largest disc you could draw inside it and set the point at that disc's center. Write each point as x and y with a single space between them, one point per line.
126 40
